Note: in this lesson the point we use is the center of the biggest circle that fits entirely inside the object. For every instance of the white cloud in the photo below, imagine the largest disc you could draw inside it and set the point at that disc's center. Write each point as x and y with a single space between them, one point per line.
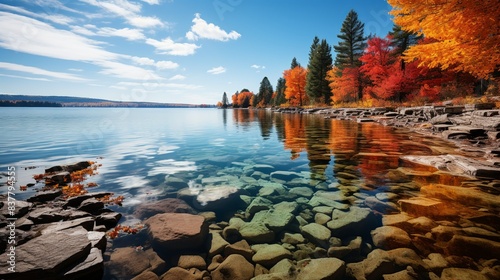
162 65
145 22
83 30
127 33
143 60
60 19
177 78
152 2
127 10
126 71
168 46
217 70
22 34
26 78
255 66
202 29
157 86
39 71
130 34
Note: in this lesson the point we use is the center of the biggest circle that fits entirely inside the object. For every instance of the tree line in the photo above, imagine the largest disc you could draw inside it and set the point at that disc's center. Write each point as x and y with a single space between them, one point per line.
438 52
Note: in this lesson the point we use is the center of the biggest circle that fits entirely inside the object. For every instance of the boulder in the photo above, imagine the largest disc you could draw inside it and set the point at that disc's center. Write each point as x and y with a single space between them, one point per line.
255 232
473 247
421 206
389 237
453 273
302 191
241 248
216 198
257 205
293 238
317 234
278 219
127 262
47 255
269 255
177 273
168 205
321 269
353 221
233 267
45 196
192 261
91 268
217 244
177 231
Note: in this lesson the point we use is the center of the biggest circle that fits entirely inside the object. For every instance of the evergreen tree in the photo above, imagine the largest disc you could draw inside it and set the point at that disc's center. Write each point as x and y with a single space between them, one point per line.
265 93
320 62
352 42
280 92
401 41
294 63
225 101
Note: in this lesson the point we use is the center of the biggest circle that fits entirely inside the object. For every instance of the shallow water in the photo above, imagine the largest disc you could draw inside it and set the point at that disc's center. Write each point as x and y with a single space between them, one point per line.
139 148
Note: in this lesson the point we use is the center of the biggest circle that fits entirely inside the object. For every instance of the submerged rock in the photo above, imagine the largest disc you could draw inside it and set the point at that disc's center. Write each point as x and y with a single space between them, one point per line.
317 234
233 267
352 222
177 231
168 205
270 255
320 269
389 237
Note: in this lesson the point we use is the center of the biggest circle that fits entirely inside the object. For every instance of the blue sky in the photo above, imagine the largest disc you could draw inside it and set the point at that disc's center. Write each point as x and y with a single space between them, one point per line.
176 51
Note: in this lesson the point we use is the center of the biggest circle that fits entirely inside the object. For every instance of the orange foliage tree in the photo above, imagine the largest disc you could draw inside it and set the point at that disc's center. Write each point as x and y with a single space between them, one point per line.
345 84
295 81
244 99
466 33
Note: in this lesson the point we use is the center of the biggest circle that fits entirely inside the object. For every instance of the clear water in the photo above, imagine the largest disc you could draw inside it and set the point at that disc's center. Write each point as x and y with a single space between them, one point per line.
138 148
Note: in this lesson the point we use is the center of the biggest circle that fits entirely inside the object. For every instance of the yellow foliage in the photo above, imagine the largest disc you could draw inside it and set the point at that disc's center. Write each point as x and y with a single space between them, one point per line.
464 35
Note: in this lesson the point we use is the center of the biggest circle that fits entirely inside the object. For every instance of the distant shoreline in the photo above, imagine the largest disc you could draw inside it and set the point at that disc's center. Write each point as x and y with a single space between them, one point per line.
7 100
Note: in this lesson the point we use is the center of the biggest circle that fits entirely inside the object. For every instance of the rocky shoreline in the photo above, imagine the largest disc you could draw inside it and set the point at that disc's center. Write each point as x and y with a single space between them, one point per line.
253 221
474 127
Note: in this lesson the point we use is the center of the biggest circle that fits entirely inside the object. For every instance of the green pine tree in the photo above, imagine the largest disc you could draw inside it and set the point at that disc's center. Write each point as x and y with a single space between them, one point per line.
280 92
294 63
225 101
401 41
265 93
320 62
352 42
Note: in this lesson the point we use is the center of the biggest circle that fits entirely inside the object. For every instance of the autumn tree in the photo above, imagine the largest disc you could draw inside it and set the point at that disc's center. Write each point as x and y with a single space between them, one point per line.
234 99
344 84
466 33
295 81
320 62
352 42
265 93
378 64
245 98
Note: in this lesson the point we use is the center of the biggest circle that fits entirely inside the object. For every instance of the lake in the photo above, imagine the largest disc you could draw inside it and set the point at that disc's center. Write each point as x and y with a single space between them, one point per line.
139 150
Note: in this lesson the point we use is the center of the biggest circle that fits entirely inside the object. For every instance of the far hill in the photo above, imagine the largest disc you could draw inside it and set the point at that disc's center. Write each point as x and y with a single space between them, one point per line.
11 100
